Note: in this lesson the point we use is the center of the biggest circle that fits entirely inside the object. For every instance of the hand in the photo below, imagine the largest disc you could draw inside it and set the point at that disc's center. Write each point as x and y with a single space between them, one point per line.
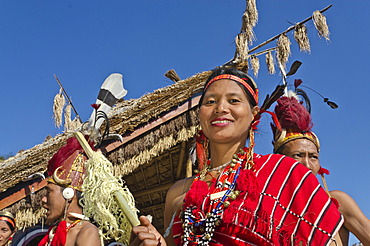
146 234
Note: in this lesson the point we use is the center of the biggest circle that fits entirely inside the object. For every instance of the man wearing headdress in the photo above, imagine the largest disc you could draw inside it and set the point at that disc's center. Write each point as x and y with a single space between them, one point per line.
296 140
66 173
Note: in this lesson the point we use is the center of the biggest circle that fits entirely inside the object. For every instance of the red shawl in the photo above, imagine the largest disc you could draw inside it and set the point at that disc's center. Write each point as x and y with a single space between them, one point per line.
60 235
290 207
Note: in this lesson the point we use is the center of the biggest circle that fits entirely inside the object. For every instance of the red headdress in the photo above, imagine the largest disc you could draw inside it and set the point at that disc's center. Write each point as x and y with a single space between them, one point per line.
66 168
295 122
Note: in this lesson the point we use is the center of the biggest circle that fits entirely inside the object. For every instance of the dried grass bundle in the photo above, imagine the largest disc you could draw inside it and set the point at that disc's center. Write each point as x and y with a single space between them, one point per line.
255 64
58 105
172 75
320 23
241 46
301 37
252 12
67 117
249 20
270 63
283 49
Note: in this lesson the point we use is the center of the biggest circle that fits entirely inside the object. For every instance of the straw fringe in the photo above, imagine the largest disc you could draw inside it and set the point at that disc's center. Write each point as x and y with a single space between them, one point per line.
151 105
283 49
301 37
125 116
127 166
270 63
28 211
58 105
99 203
255 64
320 23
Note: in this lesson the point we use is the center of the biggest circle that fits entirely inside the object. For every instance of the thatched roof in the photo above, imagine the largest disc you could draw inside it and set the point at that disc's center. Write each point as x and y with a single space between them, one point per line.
156 128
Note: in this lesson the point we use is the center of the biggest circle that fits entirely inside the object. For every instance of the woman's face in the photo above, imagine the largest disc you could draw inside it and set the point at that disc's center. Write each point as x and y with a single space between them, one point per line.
225 113
5 233
305 152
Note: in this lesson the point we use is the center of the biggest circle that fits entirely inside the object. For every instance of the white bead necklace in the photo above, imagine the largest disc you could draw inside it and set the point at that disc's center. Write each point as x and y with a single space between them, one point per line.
219 167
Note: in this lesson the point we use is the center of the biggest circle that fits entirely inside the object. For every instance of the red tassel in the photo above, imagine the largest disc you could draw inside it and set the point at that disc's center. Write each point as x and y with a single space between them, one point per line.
195 195
297 82
293 115
274 118
247 182
335 201
254 125
59 238
201 149
323 171
60 234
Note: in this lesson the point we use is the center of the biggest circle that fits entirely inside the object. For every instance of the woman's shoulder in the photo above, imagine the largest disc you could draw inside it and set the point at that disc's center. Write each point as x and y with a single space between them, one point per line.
180 187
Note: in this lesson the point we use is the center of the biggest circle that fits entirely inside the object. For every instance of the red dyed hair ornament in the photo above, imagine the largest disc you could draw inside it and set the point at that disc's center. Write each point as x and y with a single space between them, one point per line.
295 122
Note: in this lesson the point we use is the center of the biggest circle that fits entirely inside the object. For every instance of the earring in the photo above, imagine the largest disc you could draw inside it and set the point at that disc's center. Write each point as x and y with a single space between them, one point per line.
201 149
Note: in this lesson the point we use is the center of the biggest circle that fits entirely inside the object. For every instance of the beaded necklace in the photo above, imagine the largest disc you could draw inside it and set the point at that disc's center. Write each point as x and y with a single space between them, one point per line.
198 226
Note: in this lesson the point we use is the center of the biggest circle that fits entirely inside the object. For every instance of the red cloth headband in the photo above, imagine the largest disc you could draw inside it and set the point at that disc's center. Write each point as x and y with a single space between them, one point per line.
8 220
236 79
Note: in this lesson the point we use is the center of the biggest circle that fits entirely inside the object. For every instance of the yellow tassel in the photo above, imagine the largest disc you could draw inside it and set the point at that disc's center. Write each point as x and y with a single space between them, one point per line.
300 36
283 49
270 63
320 23
255 64
58 105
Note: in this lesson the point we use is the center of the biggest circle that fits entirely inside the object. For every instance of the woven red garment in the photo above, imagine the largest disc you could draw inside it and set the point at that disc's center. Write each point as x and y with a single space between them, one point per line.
59 238
290 205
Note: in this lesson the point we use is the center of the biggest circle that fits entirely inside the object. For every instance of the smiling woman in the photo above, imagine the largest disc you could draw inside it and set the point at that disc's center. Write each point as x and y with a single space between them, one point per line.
238 197
7 228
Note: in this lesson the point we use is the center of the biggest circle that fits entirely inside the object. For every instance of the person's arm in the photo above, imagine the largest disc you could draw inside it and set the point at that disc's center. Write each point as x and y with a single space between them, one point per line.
354 219
174 198
88 235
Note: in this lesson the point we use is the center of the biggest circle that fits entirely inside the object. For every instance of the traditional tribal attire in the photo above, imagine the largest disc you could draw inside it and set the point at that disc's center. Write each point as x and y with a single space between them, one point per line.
256 200
295 122
280 203
66 168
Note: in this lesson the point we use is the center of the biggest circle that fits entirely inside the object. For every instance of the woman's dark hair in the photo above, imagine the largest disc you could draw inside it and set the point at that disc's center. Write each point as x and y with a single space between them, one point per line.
224 70
12 228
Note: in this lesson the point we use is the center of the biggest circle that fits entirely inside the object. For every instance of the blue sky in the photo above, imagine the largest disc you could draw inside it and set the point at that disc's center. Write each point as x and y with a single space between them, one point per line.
82 42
